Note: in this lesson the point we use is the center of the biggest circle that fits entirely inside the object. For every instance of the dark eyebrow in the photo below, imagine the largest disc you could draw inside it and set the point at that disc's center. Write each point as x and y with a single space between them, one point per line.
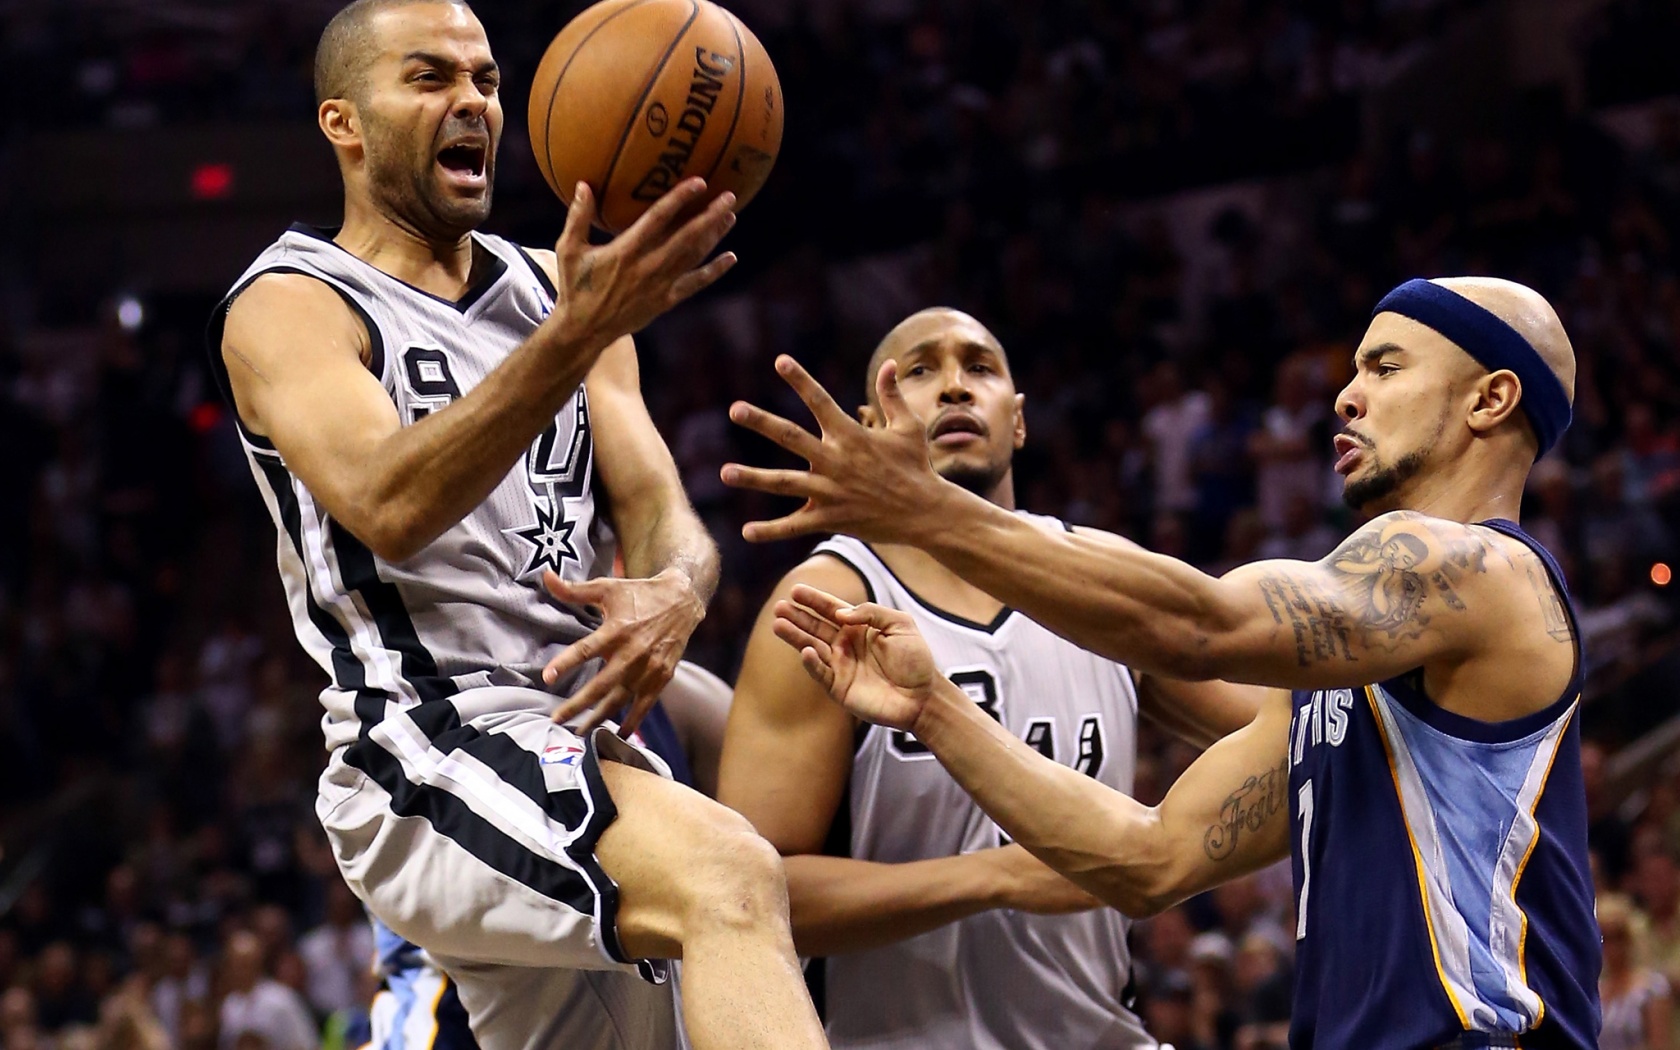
967 345
445 62
1370 355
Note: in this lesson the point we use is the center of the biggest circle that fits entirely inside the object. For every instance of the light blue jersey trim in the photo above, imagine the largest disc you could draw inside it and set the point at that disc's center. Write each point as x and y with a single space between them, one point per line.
1469 807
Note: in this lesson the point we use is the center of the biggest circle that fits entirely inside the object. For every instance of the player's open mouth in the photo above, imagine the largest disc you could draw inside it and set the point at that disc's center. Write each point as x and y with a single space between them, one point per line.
1348 452
956 428
464 162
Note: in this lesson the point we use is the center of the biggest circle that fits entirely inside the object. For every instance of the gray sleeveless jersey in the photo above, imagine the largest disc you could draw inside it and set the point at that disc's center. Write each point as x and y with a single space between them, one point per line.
469 609
1000 980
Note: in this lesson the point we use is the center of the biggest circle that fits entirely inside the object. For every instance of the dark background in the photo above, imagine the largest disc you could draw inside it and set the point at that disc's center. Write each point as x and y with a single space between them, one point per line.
1176 214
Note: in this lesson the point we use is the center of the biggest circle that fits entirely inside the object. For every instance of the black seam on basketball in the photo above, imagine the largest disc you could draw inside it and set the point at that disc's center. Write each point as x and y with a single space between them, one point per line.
548 117
647 89
740 93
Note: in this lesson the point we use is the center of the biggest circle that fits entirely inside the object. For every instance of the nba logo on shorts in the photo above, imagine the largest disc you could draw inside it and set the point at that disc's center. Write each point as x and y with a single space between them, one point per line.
561 754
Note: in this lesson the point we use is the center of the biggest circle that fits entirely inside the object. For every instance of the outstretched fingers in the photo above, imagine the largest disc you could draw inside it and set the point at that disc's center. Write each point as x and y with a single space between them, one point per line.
801 522
894 409
784 432
653 226
829 415
819 603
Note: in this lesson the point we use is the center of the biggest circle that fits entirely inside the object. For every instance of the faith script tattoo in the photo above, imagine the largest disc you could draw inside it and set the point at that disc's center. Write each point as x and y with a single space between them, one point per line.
1385 584
1246 810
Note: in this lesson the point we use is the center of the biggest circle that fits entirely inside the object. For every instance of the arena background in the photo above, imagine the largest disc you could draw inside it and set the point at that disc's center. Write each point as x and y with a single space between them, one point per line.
1175 213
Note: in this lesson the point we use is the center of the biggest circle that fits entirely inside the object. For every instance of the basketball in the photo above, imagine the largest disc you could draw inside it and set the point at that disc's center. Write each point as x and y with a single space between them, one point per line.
634 96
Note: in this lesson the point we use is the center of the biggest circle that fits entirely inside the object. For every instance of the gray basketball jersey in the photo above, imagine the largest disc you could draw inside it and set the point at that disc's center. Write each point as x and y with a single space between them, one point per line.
1000 980
469 609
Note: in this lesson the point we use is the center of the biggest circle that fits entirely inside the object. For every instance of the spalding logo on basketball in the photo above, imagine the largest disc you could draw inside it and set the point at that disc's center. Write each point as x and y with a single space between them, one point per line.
634 96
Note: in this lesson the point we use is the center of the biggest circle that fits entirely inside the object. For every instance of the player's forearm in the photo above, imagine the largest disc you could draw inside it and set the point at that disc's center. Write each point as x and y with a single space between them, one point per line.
423 479
1152 612
1108 844
842 905
664 534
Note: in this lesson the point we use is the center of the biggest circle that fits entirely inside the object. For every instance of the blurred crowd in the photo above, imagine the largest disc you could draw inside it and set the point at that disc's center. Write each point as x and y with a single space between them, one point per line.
164 881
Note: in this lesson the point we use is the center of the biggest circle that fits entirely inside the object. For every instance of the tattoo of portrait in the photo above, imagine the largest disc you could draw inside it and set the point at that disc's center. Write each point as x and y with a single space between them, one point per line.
1381 580
1246 810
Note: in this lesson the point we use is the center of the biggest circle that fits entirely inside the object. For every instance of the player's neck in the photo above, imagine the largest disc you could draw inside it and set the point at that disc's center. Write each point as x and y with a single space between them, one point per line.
1474 492
934 583
444 268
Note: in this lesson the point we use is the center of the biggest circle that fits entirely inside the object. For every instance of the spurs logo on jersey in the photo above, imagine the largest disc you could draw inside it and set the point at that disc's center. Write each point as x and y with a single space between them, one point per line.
469 609
999 979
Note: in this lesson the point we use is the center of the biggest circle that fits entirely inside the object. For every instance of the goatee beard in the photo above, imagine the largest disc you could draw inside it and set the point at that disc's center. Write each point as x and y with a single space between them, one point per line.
982 481
1383 483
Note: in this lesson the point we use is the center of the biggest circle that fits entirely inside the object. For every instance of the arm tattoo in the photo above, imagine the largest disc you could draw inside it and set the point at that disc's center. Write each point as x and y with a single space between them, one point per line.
1246 810
1380 580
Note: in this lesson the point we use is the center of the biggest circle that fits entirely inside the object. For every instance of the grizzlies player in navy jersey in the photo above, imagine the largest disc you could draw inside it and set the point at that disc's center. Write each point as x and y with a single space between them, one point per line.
1420 757
449 433
940 935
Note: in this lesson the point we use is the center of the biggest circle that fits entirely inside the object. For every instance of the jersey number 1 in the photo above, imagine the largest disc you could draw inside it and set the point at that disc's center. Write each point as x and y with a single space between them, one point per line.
1304 802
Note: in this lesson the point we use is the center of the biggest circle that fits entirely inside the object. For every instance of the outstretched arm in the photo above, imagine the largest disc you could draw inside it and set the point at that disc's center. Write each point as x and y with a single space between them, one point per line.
787 758
1402 591
296 360
1226 816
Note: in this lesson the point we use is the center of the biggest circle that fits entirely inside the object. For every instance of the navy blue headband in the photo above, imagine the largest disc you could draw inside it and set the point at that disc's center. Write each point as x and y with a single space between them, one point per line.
1482 335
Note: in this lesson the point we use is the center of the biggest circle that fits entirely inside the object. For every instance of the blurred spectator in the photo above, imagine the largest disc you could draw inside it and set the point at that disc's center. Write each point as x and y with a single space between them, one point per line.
337 953
1638 1002
256 1005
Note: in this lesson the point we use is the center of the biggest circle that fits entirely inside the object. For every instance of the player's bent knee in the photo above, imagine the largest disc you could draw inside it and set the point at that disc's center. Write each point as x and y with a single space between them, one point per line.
685 866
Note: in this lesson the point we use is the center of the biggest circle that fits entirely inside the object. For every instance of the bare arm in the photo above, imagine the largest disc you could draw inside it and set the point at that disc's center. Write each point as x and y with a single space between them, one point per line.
787 759
1226 816
1393 597
295 357
1196 712
670 561
656 524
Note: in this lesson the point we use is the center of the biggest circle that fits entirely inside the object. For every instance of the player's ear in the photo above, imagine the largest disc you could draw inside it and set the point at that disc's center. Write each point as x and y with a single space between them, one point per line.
1496 397
340 123
1020 421
868 416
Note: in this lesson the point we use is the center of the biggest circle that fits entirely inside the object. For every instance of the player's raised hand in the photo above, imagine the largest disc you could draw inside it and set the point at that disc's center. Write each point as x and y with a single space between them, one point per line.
646 624
875 483
615 289
871 659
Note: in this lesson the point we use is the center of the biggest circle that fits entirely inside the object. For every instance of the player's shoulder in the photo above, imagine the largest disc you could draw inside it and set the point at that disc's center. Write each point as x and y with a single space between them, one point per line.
1423 543
827 571
274 304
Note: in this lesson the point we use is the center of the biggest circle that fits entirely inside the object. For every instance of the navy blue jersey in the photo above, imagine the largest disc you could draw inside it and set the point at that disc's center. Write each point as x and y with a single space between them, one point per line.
1441 876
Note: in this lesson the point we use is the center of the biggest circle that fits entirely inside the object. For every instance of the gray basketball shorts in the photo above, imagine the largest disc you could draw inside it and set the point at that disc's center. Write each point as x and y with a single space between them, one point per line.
469 826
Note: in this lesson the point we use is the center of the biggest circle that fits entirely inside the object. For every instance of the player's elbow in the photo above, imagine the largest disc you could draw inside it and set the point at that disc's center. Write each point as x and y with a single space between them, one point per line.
393 535
1204 642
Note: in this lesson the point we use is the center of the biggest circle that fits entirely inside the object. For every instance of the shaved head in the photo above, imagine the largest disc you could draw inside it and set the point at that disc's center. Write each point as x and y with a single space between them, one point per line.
1527 311
935 322
348 47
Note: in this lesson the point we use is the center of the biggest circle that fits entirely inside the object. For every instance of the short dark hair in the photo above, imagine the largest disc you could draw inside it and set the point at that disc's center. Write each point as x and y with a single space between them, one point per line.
347 47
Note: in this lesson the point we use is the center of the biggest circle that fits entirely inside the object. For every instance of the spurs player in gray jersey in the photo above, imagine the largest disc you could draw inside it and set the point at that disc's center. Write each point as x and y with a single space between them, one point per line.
940 934
450 435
